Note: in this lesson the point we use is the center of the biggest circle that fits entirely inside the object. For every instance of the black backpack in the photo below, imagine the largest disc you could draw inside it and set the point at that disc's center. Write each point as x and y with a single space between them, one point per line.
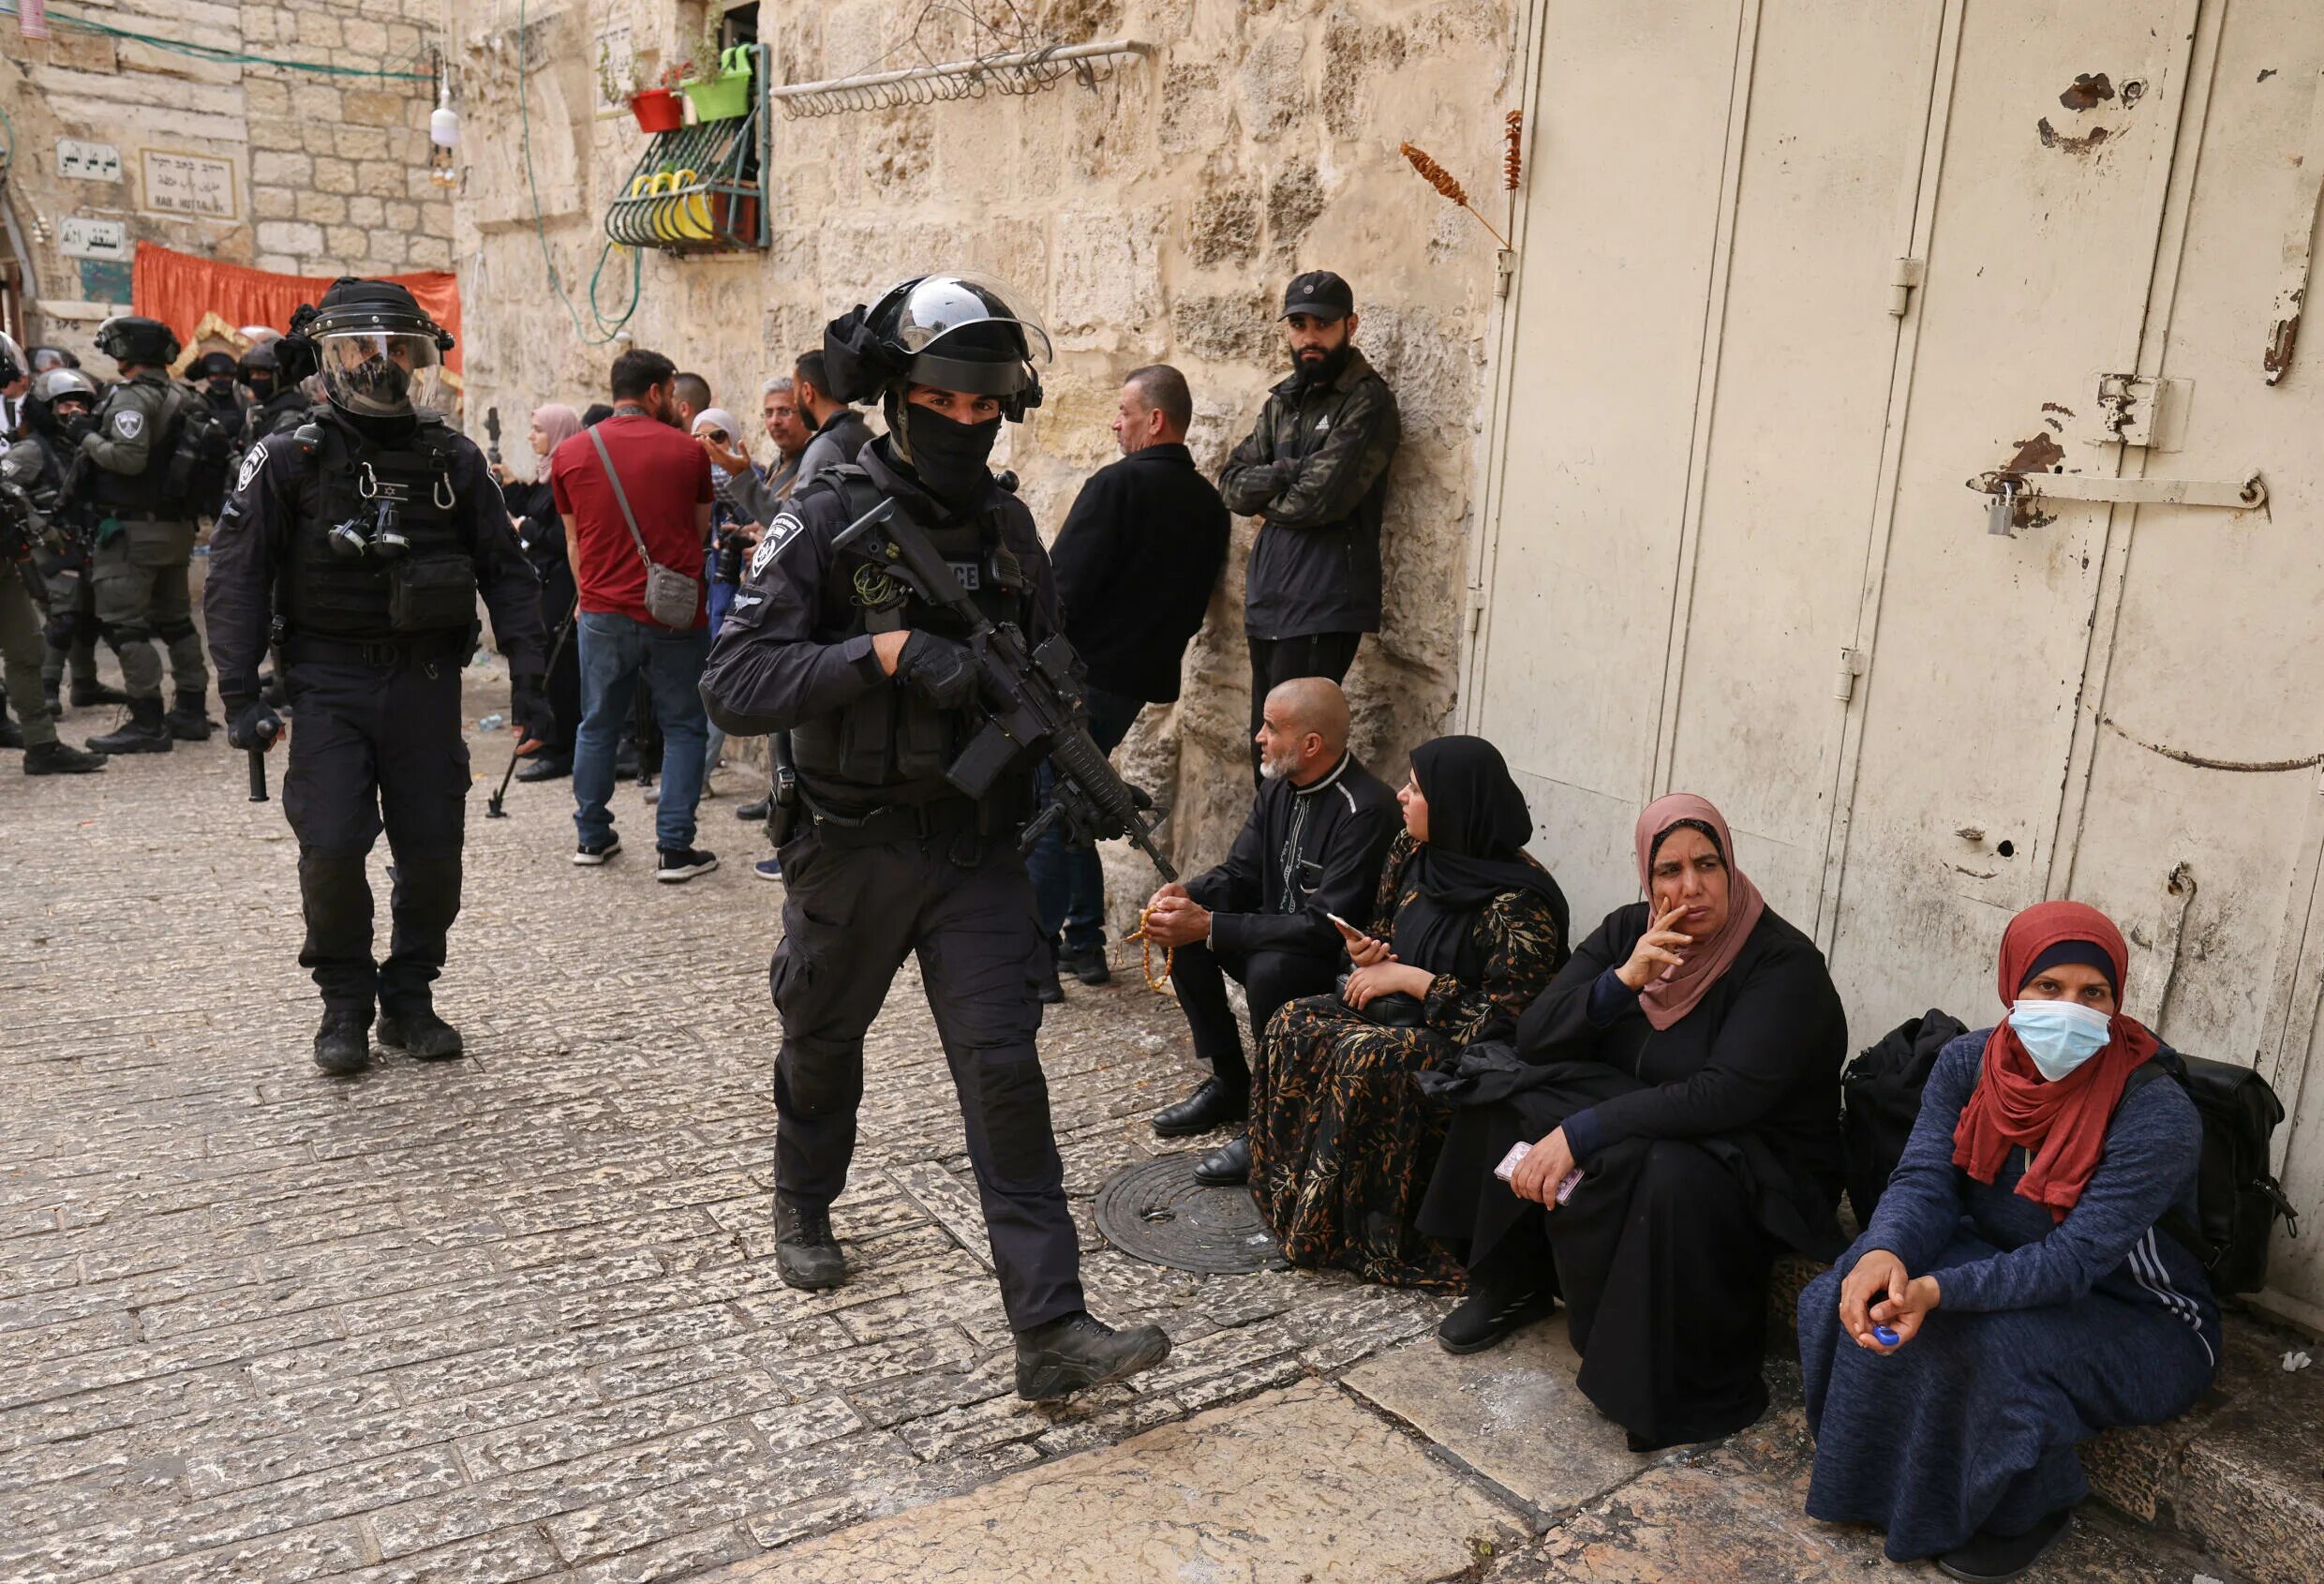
2236 1199
1879 1100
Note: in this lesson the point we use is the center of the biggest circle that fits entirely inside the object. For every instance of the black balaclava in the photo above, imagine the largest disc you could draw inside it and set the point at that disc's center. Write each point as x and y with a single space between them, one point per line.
947 455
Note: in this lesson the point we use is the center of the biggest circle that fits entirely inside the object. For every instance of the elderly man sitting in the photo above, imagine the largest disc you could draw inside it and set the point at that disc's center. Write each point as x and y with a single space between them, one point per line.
1312 847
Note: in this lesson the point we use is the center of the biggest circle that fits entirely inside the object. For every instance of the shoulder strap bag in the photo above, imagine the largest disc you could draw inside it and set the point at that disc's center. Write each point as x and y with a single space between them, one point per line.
672 598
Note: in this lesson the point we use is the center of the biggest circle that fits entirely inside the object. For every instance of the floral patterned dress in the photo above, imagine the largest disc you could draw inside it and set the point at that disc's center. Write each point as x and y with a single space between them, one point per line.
1342 1140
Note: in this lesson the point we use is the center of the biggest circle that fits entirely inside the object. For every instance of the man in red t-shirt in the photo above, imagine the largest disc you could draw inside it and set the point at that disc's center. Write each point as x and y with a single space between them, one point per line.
666 478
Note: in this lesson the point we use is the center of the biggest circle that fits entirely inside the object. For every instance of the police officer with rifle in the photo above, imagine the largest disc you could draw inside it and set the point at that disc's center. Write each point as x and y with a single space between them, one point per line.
358 544
45 464
888 624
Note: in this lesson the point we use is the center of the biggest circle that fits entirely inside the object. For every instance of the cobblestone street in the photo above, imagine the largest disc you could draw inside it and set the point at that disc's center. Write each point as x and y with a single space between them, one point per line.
515 1316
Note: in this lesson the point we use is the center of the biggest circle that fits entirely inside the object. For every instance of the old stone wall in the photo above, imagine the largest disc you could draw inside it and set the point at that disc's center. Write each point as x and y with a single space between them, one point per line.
1155 215
253 163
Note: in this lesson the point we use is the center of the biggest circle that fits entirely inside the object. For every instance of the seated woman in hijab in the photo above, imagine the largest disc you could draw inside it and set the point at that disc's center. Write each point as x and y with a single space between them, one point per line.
2019 1289
1469 928
1677 1086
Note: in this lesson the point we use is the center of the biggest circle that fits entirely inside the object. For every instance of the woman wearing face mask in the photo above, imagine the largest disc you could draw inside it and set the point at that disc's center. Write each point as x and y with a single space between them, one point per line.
1686 1063
2014 1295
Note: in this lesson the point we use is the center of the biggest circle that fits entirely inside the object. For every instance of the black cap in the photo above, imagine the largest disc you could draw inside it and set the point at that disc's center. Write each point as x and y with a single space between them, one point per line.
1319 294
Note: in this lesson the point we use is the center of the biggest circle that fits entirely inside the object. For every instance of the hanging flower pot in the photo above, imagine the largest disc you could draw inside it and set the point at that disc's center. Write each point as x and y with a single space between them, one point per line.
656 110
727 95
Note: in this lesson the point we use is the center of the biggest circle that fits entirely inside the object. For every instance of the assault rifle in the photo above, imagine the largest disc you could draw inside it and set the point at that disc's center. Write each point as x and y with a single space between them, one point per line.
1031 701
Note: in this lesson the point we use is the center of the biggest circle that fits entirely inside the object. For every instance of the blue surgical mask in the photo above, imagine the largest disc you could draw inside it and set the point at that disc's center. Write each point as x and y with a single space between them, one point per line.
2059 1036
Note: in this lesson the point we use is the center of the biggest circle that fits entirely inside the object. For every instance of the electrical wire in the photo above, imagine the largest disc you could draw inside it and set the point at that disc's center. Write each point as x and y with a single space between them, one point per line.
211 52
540 227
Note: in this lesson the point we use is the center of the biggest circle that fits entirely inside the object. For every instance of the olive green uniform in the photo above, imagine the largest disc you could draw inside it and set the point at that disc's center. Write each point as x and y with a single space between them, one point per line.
145 541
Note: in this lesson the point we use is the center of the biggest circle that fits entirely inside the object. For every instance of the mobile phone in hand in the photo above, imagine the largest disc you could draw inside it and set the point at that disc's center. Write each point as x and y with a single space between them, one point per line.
1565 1189
1508 1168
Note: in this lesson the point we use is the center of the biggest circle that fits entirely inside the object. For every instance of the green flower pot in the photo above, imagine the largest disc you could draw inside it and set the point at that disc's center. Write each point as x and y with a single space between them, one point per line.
727 95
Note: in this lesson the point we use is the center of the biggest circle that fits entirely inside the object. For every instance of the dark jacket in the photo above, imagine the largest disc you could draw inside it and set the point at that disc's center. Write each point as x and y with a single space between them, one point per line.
1304 852
1755 1065
538 529
843 435
1316 468
1136 562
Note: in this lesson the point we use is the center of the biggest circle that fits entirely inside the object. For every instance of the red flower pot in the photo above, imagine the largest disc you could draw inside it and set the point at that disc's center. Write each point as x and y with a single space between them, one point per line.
658 109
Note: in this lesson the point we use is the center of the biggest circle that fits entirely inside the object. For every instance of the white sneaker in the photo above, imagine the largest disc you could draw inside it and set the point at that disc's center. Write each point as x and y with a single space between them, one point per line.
590 854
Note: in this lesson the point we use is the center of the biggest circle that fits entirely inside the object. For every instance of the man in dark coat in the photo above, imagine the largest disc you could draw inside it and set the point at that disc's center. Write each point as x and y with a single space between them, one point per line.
1315 469
1136 562
1313 847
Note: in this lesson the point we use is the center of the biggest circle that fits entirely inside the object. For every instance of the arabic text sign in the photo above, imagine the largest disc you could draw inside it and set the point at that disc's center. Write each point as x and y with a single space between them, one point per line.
77 237
87 163
188 184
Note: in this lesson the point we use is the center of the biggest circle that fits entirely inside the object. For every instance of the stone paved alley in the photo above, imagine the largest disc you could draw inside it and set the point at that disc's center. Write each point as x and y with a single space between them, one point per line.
517 1318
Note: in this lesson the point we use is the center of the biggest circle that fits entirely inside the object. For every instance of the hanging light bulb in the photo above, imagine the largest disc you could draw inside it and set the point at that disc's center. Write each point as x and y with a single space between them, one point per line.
443 136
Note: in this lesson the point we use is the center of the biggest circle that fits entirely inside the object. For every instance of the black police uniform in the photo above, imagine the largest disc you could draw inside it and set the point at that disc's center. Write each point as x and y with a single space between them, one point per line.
371 654
893 860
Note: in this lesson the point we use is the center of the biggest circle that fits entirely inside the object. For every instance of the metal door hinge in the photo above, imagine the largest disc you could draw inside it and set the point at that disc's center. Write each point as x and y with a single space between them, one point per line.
1909 274
2137 409
2034 488
1851 664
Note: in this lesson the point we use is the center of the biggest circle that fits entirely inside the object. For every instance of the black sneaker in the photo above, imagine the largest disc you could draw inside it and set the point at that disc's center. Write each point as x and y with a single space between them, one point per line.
807 1256
1089 967
1484 1317
590 854
1989 1558
416 1030
343 1043
679 865
1066 1356
755 810
59 758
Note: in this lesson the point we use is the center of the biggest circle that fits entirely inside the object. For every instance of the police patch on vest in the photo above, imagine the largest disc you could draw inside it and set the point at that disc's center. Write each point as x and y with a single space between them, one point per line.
128 422
250 466
779 532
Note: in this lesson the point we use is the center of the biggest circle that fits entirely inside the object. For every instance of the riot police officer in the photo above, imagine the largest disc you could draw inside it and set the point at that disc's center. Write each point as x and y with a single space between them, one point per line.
28 526
361 540
878 698
145 537
276 399
41 464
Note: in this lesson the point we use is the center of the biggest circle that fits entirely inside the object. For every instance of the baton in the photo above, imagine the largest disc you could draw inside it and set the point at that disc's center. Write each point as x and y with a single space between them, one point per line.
493 809
257 762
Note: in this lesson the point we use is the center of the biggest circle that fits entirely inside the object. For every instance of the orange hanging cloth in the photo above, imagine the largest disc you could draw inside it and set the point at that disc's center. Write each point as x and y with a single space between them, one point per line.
196 297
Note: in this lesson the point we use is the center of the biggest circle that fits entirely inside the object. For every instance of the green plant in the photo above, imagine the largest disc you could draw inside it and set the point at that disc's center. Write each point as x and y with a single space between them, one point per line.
620 86
701 64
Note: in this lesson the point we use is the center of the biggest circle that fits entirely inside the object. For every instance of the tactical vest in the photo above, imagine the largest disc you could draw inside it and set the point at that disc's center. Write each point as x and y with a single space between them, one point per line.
891 740
141 494
323 593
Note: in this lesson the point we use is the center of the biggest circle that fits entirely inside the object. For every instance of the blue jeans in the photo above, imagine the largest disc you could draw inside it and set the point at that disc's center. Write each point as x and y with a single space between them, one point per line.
615 652
1068 880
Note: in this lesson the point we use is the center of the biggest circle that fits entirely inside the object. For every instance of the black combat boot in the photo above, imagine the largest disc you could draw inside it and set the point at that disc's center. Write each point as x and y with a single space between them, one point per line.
51 694
414 1029
58 759
1060 1358
189 721
343 1043
91 695
141 732
807 1256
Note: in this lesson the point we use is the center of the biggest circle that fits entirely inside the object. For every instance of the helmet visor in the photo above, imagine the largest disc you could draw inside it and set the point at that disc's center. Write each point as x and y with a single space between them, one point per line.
966 333
13 366
380 373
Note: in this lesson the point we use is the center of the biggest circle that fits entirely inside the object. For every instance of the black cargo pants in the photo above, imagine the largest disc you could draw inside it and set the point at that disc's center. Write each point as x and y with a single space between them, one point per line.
964 904
375 745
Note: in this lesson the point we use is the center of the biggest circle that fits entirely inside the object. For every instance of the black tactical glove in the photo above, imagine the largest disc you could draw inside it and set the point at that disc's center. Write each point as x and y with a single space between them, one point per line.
252 724
74 426
943 672
528 707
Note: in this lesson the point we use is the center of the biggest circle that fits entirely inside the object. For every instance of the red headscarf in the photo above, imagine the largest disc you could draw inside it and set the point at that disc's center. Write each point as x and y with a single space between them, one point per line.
2062 1125
1673 994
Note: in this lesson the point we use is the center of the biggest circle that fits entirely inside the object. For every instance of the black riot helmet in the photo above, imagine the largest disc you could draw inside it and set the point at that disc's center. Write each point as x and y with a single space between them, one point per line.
214 365
259 359
129 337
379 355
46 358
13 366
58 387
955 331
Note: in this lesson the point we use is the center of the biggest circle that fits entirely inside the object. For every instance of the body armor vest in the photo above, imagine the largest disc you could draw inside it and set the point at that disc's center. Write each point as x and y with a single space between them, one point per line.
327 594
141 494
892 745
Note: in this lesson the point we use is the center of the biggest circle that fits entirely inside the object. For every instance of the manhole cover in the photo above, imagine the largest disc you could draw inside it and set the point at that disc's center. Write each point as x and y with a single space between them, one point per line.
1157 1212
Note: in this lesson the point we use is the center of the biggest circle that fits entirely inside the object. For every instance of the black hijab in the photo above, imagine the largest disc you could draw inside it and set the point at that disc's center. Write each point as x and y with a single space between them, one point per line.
1478 826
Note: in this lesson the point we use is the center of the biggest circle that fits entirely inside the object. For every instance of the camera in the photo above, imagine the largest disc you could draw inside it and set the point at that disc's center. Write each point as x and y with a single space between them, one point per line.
728 565
376 530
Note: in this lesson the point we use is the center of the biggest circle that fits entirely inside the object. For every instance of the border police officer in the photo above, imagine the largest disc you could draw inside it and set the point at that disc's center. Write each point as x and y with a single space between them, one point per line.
145 538
366 535
30 534
879 699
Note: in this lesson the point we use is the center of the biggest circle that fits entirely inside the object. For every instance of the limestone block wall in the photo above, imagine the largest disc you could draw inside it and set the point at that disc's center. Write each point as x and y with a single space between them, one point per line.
251 163
1155 216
